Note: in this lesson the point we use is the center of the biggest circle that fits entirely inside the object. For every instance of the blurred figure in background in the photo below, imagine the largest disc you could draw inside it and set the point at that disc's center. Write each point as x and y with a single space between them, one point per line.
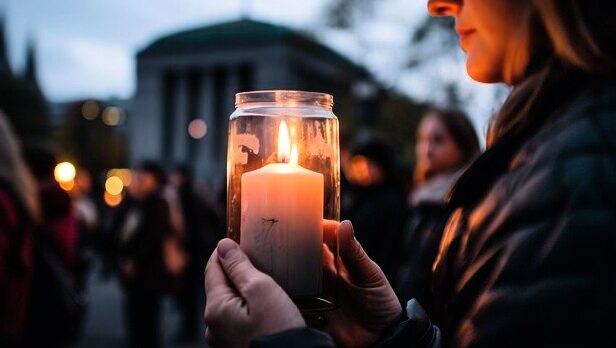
88 222
19 213
199 235
378 208
140 228
58 306
446 143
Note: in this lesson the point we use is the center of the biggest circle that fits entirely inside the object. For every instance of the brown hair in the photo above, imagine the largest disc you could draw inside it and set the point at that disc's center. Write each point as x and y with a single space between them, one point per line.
571 40
461 130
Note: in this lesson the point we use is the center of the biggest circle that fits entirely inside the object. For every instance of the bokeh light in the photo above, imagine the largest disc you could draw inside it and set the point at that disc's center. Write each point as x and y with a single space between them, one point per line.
112 200
90 110
197 128
68 185
64 172
124 174
112 116
114 185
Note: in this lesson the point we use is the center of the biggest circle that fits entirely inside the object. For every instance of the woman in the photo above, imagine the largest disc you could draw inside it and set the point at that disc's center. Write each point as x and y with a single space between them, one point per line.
446 142
19 211
528 256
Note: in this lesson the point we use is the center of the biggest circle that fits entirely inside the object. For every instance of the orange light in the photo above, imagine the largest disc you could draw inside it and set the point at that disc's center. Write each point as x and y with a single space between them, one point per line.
114 185
64 172
90 110
67 185
112 116
112 200
124 174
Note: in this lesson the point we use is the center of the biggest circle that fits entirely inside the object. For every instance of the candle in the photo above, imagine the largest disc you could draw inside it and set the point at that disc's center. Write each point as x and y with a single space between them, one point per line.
281 221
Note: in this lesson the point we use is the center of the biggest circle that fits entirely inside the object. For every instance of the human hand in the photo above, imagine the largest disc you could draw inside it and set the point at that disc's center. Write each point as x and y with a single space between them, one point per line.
367 302
242 302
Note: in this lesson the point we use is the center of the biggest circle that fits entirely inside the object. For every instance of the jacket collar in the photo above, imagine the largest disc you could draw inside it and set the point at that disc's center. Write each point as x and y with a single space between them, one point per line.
475 182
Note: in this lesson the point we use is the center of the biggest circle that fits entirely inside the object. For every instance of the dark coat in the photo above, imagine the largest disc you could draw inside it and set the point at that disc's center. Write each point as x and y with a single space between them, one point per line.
422 237
378 215
529 256
145 248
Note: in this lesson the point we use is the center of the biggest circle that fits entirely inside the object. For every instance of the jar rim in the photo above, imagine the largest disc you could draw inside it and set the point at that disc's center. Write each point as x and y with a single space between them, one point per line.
288 98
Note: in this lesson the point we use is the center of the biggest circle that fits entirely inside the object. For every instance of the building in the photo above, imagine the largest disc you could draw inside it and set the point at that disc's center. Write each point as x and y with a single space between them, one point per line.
194 74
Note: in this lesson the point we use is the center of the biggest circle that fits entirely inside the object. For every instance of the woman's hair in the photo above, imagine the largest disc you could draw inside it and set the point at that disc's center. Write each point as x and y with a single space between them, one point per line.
461 130
14 173
570 40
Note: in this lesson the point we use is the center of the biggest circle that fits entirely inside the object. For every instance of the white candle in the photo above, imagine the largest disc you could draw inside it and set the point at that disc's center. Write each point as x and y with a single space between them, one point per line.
282 218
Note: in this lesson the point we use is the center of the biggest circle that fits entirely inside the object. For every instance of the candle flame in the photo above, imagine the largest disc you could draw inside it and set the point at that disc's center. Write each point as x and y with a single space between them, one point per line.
294 155
284 144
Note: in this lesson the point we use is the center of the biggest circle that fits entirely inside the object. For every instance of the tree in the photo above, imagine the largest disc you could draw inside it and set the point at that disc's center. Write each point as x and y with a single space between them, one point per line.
432 55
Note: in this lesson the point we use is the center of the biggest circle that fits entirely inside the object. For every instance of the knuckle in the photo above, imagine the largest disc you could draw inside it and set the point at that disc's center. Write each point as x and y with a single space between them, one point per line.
237 264
259 285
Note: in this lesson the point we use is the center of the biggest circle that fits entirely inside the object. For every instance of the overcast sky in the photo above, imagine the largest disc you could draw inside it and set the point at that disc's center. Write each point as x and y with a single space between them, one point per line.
86 48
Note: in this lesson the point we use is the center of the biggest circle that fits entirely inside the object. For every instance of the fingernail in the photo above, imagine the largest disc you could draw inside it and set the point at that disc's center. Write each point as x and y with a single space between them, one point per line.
349 225
226 247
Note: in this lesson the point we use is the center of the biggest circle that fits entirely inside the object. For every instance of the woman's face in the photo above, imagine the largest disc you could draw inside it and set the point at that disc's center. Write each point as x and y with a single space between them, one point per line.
437 152
492 35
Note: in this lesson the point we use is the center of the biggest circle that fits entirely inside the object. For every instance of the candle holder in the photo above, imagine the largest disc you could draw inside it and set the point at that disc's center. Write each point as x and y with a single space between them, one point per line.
283 190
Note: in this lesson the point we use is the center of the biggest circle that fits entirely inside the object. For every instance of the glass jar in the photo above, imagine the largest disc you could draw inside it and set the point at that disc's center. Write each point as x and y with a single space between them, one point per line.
283 190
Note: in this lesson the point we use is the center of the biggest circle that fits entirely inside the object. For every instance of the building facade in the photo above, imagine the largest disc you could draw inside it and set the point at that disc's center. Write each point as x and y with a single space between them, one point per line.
195 74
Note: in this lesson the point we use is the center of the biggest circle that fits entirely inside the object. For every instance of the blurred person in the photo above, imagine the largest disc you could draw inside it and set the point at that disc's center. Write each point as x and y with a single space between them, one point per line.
59 216
446 143
140 228
88 223
200 235
19 214
528 256
58 304
379 208
86 210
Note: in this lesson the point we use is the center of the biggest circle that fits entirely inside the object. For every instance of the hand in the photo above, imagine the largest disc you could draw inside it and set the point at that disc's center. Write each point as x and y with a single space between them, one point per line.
242 302
367 303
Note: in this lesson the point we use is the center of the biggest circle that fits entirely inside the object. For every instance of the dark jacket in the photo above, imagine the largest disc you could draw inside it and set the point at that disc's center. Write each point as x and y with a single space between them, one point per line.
529 256
144 247
378 215
422 237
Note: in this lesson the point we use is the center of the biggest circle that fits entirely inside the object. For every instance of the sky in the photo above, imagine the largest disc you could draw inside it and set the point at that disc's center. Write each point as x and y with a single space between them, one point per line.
87 48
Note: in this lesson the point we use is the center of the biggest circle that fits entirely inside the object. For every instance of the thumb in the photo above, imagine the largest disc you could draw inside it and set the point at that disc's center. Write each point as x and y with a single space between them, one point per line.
236 265
362 270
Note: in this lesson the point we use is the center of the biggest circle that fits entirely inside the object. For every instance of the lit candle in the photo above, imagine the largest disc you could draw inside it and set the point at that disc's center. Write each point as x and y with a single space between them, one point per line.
282 219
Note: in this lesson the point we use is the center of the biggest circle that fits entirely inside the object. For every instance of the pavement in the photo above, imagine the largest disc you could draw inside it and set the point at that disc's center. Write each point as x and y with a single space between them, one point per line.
104 322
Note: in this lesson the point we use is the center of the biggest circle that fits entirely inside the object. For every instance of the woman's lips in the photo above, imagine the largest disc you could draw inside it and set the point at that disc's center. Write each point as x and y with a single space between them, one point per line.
464 34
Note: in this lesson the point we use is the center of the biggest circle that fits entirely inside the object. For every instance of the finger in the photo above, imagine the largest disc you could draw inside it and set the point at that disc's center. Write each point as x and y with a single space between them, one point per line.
217 287
238 267
329 262
330 227
361 268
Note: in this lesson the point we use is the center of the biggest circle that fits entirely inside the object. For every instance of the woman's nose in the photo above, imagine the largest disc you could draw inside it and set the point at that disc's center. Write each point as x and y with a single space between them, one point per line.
444 7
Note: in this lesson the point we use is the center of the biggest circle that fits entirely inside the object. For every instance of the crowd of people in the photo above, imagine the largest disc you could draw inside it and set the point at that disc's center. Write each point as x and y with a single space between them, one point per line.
155 242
